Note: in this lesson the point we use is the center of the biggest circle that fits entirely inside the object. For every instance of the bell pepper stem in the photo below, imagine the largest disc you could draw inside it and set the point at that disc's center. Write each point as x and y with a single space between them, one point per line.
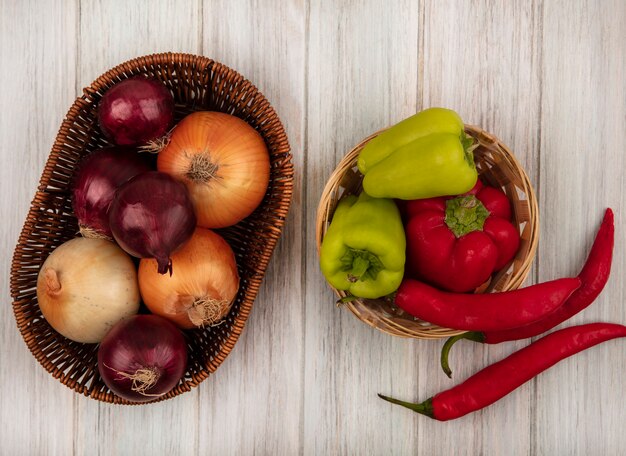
445 351
469 146
424 408
465 214
360 266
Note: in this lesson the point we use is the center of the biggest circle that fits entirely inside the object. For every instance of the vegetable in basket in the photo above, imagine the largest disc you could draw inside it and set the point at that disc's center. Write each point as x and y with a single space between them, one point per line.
151 216
424 156
86 286
482 312
224 163
202 287
136 111
456 243
142 357
99 175
363 251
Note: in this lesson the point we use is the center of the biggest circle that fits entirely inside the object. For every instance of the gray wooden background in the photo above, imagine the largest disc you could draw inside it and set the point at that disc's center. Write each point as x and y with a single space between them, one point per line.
547 77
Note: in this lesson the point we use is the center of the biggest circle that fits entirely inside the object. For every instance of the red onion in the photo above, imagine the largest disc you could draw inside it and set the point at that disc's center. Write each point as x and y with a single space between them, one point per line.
142 357
99 175
136 111
151 216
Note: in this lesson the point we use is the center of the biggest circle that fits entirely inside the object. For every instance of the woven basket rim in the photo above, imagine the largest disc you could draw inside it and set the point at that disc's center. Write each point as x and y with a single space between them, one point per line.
387 325
282 149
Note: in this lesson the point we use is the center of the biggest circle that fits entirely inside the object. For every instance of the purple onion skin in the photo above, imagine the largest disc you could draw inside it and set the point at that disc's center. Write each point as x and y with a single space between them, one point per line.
136 111
147 342
98 177
151 216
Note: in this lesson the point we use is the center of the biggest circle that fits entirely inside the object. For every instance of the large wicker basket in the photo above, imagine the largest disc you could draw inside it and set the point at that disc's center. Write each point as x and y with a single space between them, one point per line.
498 167
197 83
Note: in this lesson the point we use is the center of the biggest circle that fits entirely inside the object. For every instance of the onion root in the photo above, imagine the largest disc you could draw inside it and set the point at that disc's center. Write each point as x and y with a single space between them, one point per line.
202 169
88 232
207 311
143 379
154 146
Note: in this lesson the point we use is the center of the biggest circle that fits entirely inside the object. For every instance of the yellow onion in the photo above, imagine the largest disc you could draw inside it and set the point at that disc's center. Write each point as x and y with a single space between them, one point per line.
85 287
224 163
202 286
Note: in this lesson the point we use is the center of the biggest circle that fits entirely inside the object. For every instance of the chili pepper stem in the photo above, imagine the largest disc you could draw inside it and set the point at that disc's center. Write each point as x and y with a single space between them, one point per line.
476 336
424 408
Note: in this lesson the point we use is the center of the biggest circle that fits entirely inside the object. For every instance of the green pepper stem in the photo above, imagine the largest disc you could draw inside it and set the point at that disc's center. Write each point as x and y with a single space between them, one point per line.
424 408
469 146
465 214
445 351
360 265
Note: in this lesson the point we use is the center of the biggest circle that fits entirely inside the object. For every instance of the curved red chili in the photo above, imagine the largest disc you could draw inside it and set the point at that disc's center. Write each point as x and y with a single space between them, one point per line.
499 379
483 312
594 276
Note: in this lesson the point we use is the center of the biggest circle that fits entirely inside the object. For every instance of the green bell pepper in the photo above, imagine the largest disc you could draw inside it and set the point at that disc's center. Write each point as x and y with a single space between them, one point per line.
363 250
424 156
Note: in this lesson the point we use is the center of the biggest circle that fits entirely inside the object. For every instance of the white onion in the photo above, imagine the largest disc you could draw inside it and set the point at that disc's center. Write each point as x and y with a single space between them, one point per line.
86 286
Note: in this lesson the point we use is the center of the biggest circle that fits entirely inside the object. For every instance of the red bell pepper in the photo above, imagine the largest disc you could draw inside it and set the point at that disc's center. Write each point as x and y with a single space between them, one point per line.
457 242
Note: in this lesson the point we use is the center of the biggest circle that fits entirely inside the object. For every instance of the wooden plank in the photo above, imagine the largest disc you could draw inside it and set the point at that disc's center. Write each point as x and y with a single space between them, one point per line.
583 138
112 32
253 404
362 76
37 46
482 60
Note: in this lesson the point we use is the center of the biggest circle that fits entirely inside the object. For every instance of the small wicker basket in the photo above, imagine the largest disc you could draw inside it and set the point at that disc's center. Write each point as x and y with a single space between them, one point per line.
198 83
496 166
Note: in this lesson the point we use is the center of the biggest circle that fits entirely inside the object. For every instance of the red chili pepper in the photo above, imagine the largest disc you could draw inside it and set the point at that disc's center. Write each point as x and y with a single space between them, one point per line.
457 242
499 379
483 312
594 275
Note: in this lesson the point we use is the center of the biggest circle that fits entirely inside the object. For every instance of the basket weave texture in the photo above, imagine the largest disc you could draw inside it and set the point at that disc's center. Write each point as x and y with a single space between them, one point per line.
197 83
497 167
